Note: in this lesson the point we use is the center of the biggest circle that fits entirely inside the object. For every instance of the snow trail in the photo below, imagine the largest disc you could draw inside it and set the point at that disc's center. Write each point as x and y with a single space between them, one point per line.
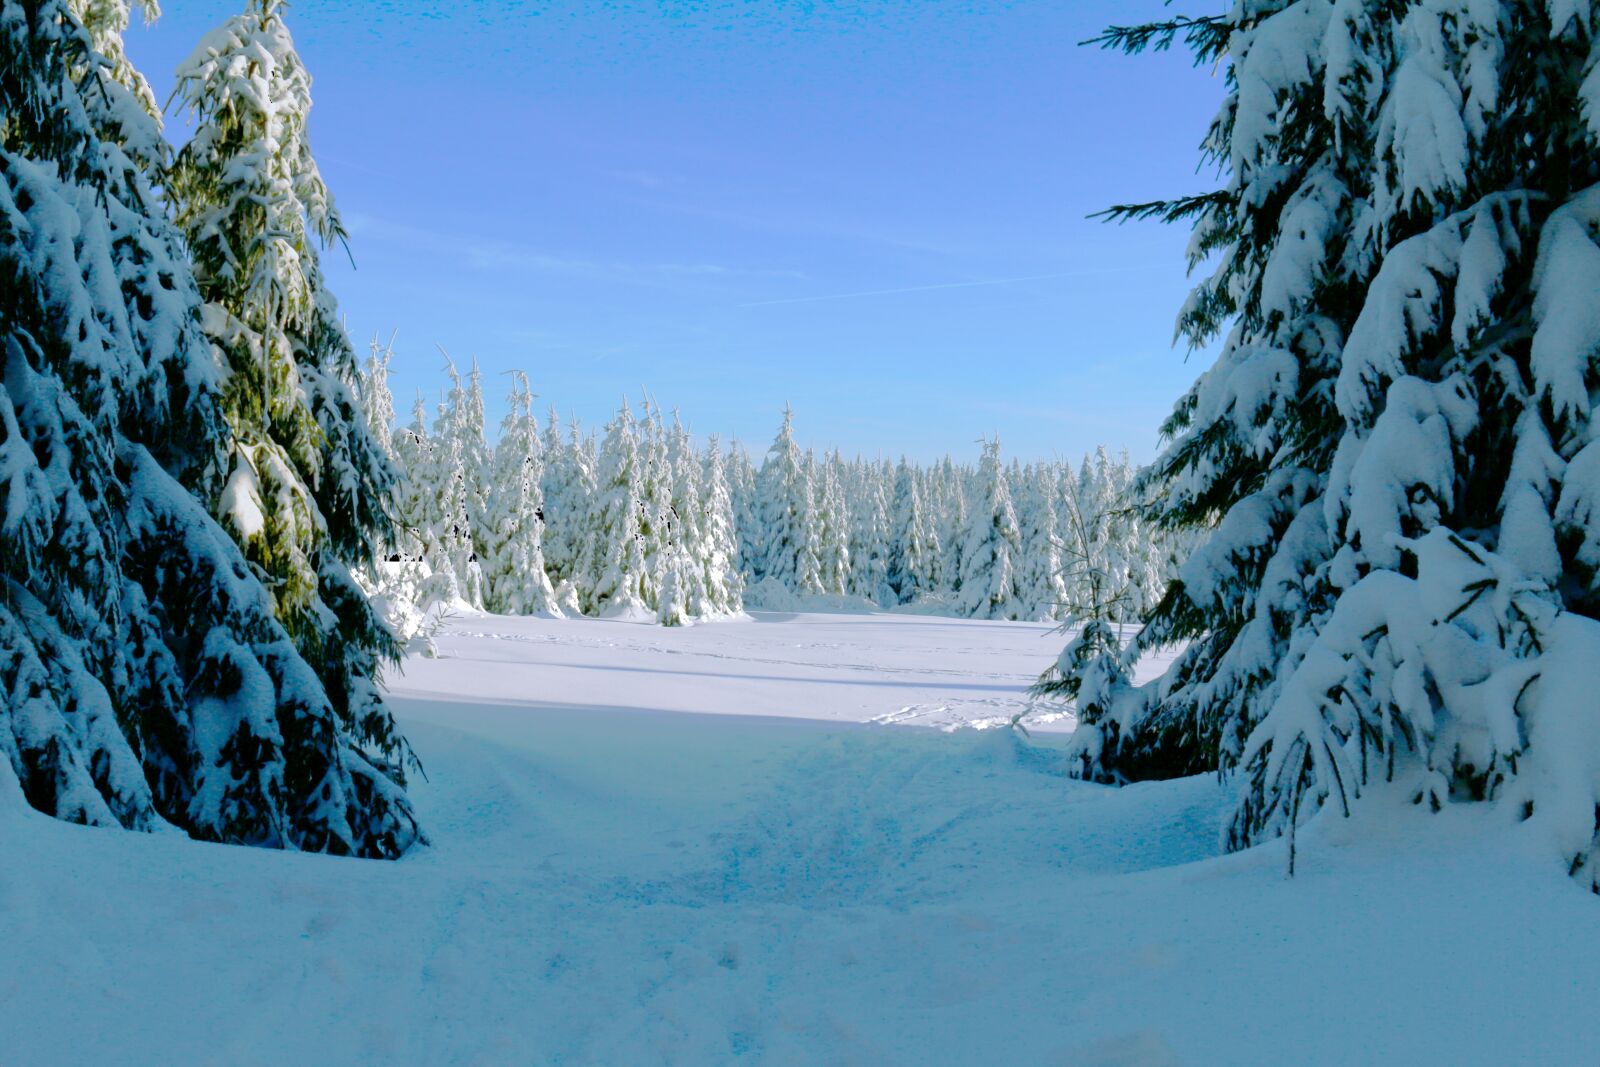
611 882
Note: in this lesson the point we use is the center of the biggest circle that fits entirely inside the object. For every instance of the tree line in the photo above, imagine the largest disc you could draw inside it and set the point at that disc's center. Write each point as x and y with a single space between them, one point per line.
643 523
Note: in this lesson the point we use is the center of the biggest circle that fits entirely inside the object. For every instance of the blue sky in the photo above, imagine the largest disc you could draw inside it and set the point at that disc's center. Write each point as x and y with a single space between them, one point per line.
875 212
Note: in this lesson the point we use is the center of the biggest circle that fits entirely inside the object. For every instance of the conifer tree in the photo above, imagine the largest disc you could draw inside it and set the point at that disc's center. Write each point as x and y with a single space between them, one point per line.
685 550
619 580
787 508
413 500
582 489
565 501
515 582
912 552
377 399
477 464
660 525
1131 545
398 581
1042 570
989 581
1095 668
947 495
1391 456
145 679
1108 552
746 512
426 536
724 584
309 494
456 450
832 519
869 535
672 605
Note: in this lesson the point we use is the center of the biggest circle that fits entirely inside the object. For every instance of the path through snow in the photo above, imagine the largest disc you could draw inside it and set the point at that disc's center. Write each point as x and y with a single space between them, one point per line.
618 879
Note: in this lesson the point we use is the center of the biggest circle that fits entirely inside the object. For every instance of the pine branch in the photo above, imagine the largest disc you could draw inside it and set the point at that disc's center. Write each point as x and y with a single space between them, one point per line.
1206 36
1176 210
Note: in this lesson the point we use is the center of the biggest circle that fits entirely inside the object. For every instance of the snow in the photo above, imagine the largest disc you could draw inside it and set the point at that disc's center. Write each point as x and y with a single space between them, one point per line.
1271 59
1567 305
1422 126
1404 469
241 500
1401 306
684 846
850 668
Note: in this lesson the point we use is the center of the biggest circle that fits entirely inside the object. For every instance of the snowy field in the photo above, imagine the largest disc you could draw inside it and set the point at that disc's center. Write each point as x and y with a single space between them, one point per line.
877 668
694 846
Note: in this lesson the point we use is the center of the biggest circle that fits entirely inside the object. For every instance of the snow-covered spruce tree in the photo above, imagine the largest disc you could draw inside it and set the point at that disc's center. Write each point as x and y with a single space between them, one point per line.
947 499
786 506
1108 552
1394 448
929 485
397 580
146 681
746 513
377 399
309 493
724 585
833 524
553 482
684 548
989 579
618 579
700 491
427 536
1093 670
1041 568
869 533
914 545
1093 586
454 462
515 582
659 531
408 445
584 456
477 464
566 485
1128 547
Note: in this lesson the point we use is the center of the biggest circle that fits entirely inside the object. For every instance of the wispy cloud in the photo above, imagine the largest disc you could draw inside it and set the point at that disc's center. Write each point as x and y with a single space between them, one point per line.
811 226
972 284
486 253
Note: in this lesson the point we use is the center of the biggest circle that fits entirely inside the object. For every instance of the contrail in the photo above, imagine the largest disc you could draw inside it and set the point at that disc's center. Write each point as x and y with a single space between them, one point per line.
947 285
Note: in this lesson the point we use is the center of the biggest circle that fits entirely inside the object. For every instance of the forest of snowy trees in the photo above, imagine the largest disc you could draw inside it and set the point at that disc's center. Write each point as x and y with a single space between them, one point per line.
643 524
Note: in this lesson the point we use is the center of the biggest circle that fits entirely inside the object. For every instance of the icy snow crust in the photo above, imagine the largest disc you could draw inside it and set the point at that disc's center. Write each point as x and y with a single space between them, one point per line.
648 849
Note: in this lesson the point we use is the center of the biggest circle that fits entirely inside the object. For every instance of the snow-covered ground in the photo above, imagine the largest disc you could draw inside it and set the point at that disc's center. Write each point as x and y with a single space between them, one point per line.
618 877
876 667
